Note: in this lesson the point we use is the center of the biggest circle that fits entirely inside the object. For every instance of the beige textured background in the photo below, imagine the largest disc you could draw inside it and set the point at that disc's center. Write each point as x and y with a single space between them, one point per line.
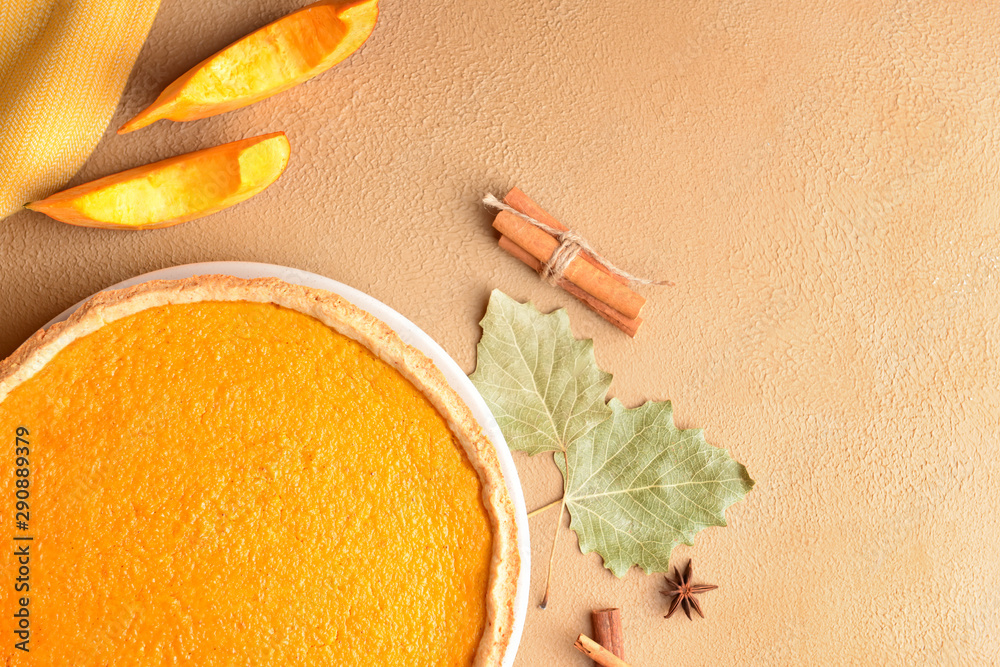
819 178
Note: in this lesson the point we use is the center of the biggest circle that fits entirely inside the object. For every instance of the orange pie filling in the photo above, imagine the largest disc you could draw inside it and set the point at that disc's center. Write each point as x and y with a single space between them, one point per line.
237 483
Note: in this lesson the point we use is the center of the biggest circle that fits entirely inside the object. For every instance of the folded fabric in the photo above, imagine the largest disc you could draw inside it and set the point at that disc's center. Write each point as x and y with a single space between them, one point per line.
63 65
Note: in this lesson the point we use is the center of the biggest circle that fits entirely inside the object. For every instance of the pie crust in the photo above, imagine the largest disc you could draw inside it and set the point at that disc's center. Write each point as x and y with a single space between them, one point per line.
345 318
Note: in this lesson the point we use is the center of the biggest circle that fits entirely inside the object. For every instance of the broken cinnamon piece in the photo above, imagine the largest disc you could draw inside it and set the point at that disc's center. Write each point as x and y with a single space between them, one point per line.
598 653
608 630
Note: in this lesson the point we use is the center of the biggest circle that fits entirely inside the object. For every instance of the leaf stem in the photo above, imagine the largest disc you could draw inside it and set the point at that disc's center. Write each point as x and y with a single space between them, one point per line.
543 508
555 540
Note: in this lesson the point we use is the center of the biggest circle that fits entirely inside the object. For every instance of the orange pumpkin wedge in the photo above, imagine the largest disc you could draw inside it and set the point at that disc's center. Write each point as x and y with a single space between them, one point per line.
174 190
280 55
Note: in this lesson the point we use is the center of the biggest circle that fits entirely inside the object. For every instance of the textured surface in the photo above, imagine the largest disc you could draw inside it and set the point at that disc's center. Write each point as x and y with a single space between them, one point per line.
63 66
820 179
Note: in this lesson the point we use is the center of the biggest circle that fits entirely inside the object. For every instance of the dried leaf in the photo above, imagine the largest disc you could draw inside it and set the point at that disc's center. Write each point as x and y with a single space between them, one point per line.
635 485
543 385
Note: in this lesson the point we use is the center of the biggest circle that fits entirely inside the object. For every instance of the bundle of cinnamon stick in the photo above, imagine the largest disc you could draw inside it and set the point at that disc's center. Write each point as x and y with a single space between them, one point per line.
604 292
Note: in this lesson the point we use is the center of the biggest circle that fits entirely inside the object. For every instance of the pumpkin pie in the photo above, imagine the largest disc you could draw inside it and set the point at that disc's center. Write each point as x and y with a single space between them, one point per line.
219 471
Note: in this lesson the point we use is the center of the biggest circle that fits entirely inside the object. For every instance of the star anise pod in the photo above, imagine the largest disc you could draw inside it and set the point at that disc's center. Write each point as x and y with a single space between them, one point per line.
683 591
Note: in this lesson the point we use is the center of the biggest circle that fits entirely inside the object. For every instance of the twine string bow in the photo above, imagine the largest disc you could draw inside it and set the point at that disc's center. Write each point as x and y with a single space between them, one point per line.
571 244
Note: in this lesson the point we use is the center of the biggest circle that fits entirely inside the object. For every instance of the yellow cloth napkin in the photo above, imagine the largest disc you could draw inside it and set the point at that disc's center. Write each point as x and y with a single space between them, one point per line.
63 65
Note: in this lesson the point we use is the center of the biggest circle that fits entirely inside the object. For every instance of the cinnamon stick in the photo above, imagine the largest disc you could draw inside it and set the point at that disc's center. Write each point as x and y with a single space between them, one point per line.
598 653
629 326
580 272
526 205
608 630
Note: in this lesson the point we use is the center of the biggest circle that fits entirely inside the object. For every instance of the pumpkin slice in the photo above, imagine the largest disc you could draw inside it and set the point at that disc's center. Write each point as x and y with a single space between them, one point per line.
280 55
174 190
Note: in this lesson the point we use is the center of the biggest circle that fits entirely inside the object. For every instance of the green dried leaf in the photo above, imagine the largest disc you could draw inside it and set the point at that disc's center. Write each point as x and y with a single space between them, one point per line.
635 485
543 385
